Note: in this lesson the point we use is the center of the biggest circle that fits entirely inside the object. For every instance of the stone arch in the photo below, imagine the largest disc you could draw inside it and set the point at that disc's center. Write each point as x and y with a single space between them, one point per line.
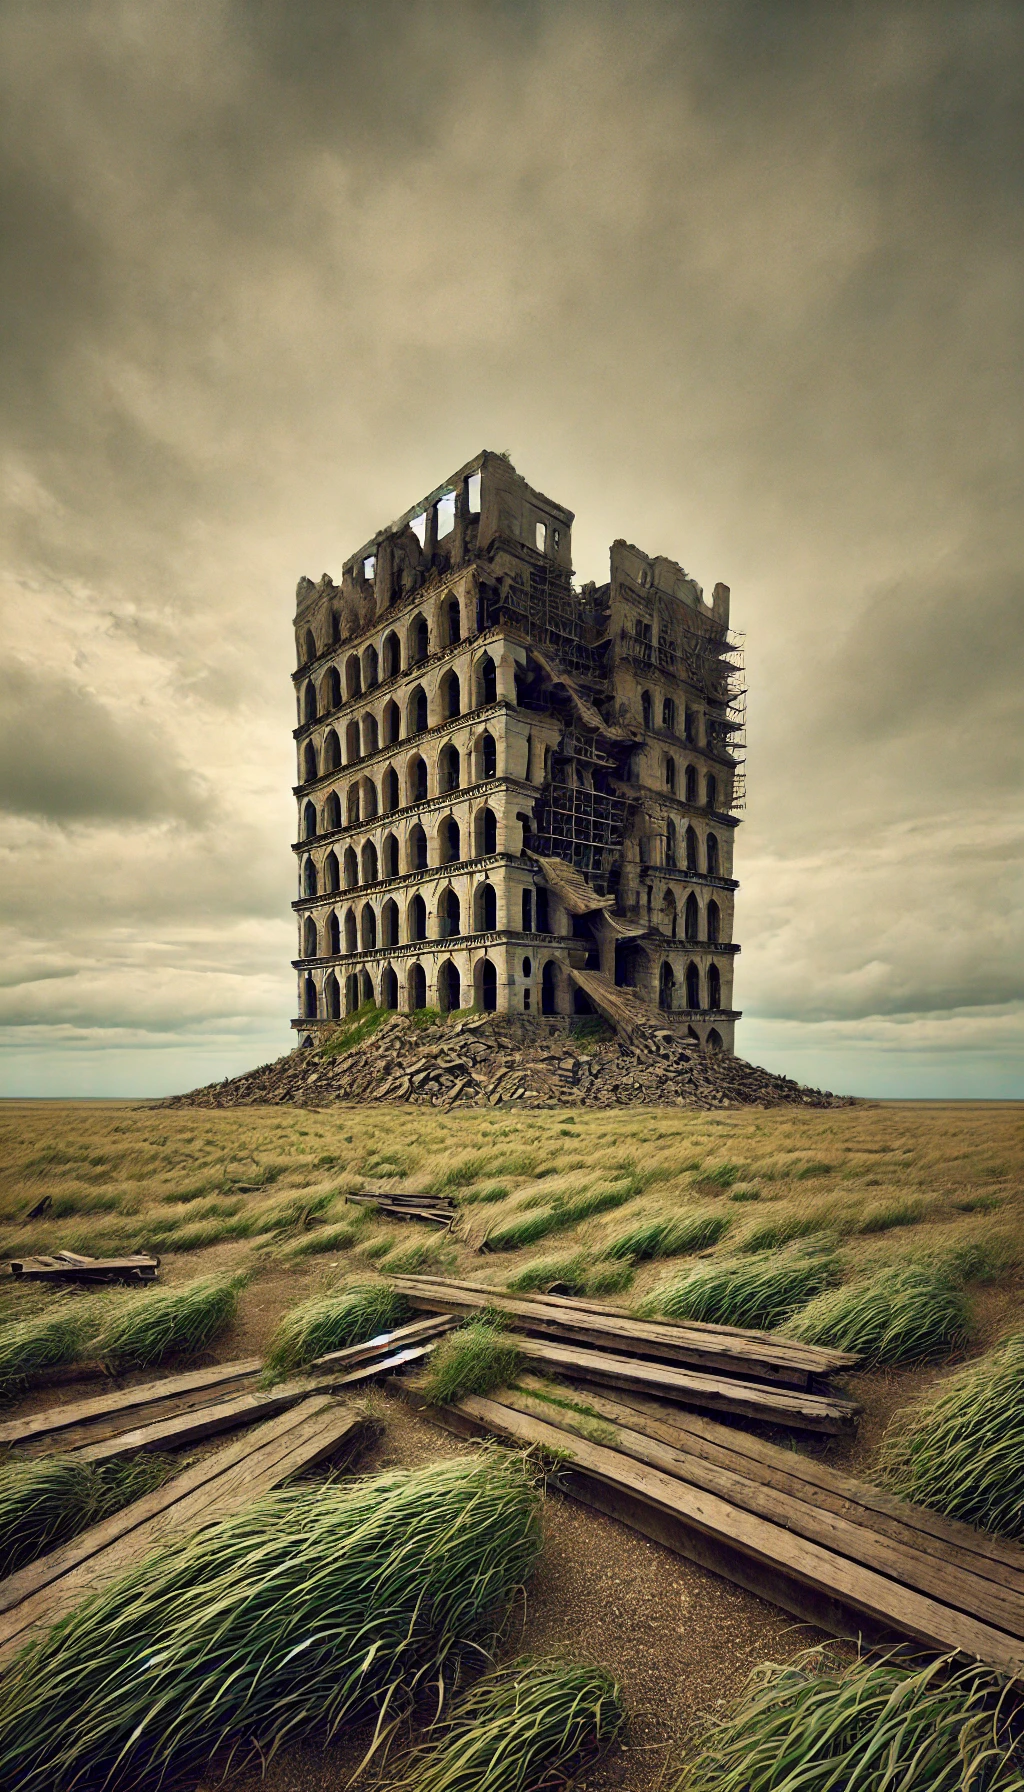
309 879
666 986
631 964
353 748
332 687
368 790
309 647
371 674
390 791
691 849
691 918
418 782
389 923
485 757
391 655
711 791
692 986
669 915
449 987
333 935
309 701
351 868
671 845
712 856
351 932
417 987
714 986
389 856
392 723
449 841
449 914
418 713
389 987
366 994
452 622
309 1001
715 1040
485 904
416 919
549 980
310 769
451 696
670 774
370 734
690 783
332 813
332 751
487 681
309 828
351 992
332 879
417 849
714 919
449 768
647 709
485 985
485 828
418 639
353 676
309 939
332 997
353 806
368 863
368 928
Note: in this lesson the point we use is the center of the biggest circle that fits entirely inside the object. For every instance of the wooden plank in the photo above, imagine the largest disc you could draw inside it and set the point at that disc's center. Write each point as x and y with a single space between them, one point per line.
998 1558
887 1602
214 1488
773 1406
57 1419
857 1542
764 1359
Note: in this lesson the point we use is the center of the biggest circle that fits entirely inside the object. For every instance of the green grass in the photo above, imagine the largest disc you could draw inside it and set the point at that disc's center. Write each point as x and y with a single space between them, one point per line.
573 1271
44 1502
334 1321
887 1215
772 1235
876 1725
313 1608
145 1327
529 1724
472 1360
355 1029
323 1239
960 1450
528 1228
60 1333
489 1193
753 1292
904 1314
669 1237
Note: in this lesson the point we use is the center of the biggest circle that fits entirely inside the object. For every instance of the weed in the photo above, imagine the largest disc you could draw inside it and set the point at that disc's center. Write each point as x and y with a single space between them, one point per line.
667 1237
44 1502
472 1360
334 1321
901 1315
743 1291
144 1327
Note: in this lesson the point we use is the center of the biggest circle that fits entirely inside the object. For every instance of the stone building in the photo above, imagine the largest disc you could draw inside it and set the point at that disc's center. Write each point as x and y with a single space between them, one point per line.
513 793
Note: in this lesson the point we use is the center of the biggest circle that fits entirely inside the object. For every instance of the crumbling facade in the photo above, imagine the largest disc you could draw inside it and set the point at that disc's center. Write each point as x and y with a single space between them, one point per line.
512 793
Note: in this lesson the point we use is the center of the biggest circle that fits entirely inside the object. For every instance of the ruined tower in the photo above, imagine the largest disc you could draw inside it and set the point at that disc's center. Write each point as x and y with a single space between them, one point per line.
512 793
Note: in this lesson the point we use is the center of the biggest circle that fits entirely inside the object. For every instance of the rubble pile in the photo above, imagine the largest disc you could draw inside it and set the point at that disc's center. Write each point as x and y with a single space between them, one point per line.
491 1060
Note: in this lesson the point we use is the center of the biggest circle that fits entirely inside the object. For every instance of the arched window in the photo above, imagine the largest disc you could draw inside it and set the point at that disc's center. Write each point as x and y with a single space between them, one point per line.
417 985
331 869
418 921
368 928
450 841
419 640
335 628
351 932
669 915
691 918
392 795
714 922
712 854
332 997
309 822
309 937
369 863
309 1007
670 774
715 1040
671 847
711 791
389 856
449 914
333 688
353 810
691 784
451 767
389 924
332 812
332 751
370 673
690 725
369 790
454 620
449 988
714 987
392 655
668 715
392 724
353 750
417 849
486 833
691 850
365 989
351 868
692 985
310 769
418 710
647 709
487 681
309 878
527 911
486 908
549 988
389 989
309 703
369 735
333 934
417 779
666 986
351 992
309 650
353 676
486 757
451 696
487 986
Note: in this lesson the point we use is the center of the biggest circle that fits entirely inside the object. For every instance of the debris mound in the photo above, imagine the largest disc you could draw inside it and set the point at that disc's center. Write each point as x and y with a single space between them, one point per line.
492 1061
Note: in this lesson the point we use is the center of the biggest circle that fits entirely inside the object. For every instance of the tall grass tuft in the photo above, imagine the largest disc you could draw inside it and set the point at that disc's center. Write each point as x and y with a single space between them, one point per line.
904 1314
323 1239
572 1271
59 1334
144 1327
878 1725
530 1724
334 1321
43 1503
473 1360
312 1608
527 1228
668 1237
747 1291
960 1450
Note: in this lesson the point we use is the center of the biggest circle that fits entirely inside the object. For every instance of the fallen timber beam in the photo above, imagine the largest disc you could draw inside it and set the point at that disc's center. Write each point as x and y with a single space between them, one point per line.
69 1266
815 1583
221 1484
757 1356
829 1413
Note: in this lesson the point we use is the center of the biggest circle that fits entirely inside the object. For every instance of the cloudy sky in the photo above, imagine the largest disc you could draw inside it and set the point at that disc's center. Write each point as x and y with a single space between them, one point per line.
739 281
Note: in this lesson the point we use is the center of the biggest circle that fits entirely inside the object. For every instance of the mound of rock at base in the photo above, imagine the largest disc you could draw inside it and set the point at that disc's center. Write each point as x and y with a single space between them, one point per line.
495 1061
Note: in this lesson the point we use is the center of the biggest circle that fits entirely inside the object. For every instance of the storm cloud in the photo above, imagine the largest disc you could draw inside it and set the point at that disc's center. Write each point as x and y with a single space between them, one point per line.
741 283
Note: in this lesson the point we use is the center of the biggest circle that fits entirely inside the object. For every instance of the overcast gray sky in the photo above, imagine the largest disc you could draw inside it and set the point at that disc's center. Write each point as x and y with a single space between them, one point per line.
739 280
